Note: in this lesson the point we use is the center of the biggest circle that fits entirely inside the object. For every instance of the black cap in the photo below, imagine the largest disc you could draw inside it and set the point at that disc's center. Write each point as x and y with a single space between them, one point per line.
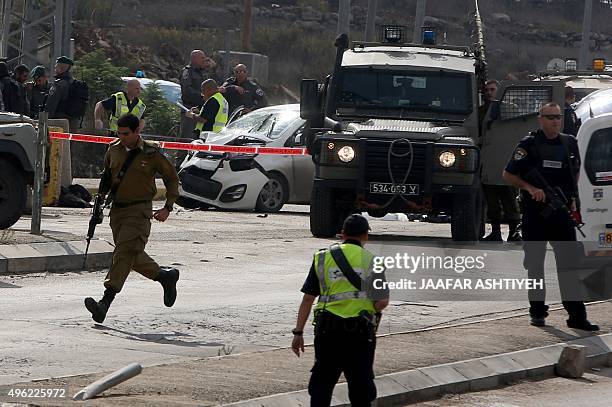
355 225
64 60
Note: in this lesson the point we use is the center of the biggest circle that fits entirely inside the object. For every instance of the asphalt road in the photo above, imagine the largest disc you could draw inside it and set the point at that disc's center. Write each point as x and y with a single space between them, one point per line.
239 292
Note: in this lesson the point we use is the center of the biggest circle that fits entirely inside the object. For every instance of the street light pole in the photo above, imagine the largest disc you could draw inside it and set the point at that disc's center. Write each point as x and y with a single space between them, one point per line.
586 35
419 17
39 173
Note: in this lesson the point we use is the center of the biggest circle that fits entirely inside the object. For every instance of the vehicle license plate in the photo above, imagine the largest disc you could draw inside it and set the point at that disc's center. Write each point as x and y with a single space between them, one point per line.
388 188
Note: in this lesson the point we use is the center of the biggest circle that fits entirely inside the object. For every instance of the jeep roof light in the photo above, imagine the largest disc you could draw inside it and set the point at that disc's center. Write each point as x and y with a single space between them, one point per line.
571 64
428 36
392 34
599 64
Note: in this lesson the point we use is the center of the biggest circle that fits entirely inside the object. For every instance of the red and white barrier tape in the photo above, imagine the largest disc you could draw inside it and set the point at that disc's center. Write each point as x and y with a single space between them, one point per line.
170 145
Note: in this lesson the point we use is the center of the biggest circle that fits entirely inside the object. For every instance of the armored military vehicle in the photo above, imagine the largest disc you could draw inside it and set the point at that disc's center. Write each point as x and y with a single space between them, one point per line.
17 158
396 128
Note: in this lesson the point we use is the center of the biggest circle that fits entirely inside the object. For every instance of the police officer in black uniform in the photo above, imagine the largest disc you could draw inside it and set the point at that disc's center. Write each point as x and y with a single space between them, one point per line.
191 79
239 90
59 93
556 158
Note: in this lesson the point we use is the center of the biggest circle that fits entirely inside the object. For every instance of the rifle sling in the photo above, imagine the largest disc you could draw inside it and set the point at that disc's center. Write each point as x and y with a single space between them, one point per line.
126 165
345 267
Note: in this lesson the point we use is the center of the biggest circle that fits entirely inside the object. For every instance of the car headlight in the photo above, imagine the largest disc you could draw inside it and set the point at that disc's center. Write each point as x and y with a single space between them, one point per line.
346 154
447 159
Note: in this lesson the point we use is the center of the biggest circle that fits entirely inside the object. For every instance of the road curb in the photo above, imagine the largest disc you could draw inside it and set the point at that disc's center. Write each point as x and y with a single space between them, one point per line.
54 257
469 375
91 184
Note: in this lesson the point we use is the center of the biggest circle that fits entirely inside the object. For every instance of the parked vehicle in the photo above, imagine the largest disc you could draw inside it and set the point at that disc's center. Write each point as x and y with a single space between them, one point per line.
171 90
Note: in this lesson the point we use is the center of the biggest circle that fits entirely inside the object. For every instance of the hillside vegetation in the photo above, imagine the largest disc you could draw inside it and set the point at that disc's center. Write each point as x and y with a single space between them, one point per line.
297 35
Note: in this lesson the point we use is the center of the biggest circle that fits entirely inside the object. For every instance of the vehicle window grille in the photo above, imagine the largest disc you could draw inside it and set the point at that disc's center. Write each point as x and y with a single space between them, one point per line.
523 101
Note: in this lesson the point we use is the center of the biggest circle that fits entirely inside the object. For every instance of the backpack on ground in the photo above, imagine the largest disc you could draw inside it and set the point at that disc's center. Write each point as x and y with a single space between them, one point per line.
78 96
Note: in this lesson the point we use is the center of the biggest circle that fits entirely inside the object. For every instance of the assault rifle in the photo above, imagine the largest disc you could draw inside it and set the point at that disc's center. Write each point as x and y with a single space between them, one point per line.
555 200
97 213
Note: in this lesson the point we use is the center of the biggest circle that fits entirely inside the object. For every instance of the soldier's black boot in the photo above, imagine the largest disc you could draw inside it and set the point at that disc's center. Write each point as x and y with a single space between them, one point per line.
495 235
99 309
583 324
514 235
168 277
538 313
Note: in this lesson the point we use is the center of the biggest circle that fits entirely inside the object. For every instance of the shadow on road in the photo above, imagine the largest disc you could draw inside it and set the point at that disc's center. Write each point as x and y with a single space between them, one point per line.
164 339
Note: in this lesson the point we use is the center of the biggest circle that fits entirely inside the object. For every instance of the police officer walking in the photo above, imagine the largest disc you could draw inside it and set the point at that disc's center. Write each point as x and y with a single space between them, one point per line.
130 166
346 317
121 103
239 90
549 157
214 113
191 79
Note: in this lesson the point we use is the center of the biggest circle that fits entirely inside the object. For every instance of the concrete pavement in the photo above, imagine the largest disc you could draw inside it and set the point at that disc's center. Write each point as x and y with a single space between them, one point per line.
594 389
227 379
238 295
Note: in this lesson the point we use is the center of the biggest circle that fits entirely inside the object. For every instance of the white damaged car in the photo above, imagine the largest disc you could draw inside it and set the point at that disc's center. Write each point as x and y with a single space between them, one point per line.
240 181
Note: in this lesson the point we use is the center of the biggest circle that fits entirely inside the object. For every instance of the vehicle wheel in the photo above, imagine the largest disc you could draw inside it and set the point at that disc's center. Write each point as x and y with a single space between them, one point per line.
325 218
12 194
466 219
273 195
189 203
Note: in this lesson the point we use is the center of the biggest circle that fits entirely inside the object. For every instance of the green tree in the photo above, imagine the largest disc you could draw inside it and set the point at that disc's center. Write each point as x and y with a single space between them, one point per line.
162 117
102 77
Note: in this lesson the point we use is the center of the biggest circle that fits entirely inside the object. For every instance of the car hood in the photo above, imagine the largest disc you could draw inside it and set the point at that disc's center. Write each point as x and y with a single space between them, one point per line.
236 138
422 130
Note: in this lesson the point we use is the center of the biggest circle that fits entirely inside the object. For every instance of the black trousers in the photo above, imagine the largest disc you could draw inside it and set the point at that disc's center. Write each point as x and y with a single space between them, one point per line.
560 232
339 351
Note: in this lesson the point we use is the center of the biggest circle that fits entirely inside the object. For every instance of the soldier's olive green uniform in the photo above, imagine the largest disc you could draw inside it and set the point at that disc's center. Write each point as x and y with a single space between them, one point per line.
131 212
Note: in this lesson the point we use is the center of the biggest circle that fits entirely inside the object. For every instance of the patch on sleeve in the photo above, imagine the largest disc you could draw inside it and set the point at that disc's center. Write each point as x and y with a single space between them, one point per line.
519 154
259 92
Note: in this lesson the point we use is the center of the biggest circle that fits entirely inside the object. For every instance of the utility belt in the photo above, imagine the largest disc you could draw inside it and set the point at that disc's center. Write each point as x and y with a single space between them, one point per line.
327 322
122 205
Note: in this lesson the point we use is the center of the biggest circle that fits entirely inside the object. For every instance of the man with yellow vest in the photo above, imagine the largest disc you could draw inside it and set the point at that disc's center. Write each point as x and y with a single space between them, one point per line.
346 316
121 103
214 113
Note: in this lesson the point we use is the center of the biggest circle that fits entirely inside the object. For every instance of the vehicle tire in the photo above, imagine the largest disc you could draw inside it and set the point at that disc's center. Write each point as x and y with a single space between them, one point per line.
189 203
466 219
12 194
325 218
273 195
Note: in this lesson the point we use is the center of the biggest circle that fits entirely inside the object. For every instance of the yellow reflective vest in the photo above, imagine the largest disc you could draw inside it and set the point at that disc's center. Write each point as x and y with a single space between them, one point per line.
121 108
221 116
338 295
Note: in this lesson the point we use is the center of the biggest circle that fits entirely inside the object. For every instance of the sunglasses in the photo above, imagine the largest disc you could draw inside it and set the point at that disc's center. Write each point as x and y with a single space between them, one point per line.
552 116
124 133
239 71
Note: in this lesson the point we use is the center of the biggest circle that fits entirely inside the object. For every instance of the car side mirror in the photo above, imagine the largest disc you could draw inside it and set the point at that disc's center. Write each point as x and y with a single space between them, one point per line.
494 110
310 107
